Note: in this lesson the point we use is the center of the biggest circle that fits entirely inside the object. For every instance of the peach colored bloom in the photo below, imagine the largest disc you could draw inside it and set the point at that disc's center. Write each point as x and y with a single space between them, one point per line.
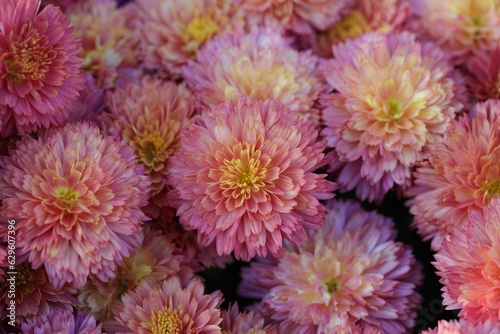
349 273
393 96
469 265
462 174
76 197
300 16
39 68
458 27
155 257
244 178
173 31
170 308
108 43
259 64
149 116
464 327
365 16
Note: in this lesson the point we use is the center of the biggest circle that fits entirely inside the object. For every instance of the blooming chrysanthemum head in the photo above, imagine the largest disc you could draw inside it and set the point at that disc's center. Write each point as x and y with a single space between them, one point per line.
156 257
464 327
464 26
107 41
171 308
298 16
236 322
61 321
34 295
469 265
461 174
365 16
259 64
173 31
76 198
350 272
484 74
39 67
244 178
393 96
149 116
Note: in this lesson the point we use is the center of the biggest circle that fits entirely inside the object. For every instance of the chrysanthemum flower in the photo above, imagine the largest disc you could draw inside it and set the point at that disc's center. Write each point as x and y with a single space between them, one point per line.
366 16
484 74
236 322
156 257
170 308
458 27
259 64
350 272
39 67
464 327
34 295
61 321
107 41
462 174
173 31
149 116
300 16
76 197
393 96
244 178
469 265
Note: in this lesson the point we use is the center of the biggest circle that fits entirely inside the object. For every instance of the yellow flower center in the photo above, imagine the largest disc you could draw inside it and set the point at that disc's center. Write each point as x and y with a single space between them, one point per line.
154 145
24 275
492 188
332 286
202 28
167 321
350 26
66 198
394 107
242 176
28 61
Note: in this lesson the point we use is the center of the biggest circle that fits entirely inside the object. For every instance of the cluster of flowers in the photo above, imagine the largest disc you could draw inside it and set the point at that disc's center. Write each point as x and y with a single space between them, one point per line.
143 141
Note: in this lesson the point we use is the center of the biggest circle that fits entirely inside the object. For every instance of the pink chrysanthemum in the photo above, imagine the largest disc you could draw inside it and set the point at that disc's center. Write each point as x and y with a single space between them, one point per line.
393 96
259 64
244 178
156 258
366 16
61 321
39 67
173 31
464 327
484 74
236 322
350 272
76 197
171 308
469 265
149 116
34 295
300 16
462 174
108 43
458 27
